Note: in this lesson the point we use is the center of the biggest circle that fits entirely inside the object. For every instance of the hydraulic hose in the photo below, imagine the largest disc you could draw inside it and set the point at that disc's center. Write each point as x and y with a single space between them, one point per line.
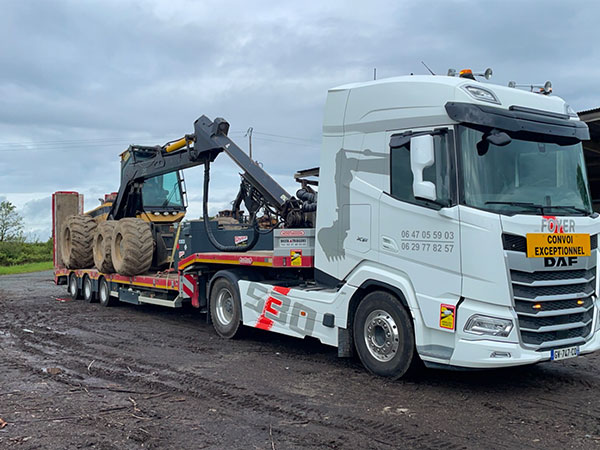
209 232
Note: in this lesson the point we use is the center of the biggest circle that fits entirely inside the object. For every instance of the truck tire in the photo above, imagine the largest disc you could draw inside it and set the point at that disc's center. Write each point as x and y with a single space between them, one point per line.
383 335
104 293
87 289
77 236
102 247
132 246
72 287
225 309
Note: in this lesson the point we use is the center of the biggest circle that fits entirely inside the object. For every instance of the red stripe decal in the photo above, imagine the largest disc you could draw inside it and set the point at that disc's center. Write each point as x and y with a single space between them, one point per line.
265 323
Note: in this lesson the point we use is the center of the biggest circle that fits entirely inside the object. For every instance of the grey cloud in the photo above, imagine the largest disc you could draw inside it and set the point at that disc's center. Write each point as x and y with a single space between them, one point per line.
112 73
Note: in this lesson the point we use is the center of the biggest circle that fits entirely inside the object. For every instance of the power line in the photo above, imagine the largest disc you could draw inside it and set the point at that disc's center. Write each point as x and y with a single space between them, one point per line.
111 142
288 137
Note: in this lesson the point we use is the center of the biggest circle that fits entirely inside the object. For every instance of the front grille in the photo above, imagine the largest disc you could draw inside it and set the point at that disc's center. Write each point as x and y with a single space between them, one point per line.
574 336
564 275
526 306
536 323
554 307
574 290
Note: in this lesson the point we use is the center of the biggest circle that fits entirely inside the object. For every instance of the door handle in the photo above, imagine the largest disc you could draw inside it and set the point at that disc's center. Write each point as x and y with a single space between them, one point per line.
387 243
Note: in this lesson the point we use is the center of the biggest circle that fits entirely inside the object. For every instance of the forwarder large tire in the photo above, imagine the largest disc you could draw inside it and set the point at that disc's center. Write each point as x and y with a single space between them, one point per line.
76 239
132 247
102 247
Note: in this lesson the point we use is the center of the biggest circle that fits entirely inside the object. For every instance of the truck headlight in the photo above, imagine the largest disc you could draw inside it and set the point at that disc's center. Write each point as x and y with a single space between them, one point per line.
491 326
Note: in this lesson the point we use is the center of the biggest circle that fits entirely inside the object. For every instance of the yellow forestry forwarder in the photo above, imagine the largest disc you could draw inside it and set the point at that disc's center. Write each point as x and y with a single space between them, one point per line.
134 230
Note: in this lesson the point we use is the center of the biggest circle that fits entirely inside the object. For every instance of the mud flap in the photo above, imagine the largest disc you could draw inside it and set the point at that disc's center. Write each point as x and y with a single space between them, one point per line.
345 343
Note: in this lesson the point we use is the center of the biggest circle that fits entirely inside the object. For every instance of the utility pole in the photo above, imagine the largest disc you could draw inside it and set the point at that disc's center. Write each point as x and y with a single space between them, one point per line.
374 73
249 134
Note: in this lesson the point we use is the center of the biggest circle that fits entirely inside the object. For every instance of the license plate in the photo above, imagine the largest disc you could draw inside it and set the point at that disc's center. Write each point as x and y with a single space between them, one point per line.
549 245
564 353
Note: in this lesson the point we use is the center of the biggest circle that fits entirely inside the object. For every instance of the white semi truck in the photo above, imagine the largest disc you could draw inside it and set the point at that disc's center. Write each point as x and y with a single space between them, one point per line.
453 224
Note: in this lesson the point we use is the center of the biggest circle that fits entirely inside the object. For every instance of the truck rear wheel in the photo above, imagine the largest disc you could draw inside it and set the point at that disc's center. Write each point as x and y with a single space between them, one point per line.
87 289
76 240
72 287
102 250
225 309
104 293
383 334
132 246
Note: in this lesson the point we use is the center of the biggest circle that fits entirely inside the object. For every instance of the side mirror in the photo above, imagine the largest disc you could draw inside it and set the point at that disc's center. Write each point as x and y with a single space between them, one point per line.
422 156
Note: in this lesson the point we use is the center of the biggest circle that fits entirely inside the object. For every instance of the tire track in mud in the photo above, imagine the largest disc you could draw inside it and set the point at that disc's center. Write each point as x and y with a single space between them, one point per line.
72 335
229 396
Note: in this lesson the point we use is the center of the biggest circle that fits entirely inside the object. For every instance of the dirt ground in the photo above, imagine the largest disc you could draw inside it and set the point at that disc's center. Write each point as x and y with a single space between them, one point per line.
77 375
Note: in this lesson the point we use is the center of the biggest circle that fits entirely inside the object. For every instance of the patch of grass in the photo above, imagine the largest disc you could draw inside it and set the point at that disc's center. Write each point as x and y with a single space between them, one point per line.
26 268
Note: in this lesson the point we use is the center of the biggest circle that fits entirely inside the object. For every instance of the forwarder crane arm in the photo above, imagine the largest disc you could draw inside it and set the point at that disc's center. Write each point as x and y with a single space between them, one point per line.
258 188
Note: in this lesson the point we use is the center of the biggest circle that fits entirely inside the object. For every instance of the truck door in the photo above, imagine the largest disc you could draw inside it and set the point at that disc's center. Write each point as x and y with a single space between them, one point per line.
420 237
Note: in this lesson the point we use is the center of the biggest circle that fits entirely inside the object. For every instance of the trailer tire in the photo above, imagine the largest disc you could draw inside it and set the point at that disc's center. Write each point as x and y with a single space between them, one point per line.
104 293
225 308
77 236
383 335
132 247
72 287
102 247
87 289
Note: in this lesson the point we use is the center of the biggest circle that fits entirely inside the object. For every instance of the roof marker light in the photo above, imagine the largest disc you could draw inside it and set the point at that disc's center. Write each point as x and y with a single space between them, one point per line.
466 73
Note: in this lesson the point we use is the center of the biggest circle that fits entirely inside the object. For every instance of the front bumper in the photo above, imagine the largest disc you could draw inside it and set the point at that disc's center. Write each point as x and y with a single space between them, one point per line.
478 353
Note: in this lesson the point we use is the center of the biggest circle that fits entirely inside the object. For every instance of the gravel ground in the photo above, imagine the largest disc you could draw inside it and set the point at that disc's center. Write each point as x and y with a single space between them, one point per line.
77 375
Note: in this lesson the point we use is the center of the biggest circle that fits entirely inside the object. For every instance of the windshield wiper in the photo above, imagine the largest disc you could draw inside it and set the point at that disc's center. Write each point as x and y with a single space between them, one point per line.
574 208
542 208
524 204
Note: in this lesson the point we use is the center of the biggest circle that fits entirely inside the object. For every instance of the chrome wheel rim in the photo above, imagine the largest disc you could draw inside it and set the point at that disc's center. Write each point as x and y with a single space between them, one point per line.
87 288
73 286
381 335
103 292
224 307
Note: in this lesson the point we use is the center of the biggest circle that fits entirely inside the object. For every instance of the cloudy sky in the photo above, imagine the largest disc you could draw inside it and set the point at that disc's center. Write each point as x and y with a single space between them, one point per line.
81 80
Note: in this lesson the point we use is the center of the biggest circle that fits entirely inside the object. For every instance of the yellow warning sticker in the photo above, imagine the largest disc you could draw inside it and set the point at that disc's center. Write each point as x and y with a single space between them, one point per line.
545 245
447 313
296 257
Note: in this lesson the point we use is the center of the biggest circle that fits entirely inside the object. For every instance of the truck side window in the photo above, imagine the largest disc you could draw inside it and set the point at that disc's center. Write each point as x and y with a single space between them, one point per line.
401 177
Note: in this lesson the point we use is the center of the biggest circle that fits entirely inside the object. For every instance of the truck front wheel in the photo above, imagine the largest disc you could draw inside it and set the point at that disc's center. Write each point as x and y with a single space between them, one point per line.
383 335
225 308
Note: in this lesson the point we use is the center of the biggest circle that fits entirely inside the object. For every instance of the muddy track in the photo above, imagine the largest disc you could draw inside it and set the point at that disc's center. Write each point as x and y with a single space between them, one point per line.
150 377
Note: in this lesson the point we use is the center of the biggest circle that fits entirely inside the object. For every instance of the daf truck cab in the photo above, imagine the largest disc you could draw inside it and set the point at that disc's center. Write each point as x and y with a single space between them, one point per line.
468 204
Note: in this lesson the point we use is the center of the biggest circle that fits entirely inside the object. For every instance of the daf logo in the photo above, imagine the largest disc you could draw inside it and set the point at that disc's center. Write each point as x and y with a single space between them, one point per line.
560 262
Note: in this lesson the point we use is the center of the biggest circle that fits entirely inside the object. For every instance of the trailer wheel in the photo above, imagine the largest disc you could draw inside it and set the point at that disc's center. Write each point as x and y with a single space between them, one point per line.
102 250
225 308
383 334
132 247
88 292
76 240
104 293
72 287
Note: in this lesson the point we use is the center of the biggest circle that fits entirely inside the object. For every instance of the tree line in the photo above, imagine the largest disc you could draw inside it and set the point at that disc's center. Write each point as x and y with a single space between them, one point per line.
13 248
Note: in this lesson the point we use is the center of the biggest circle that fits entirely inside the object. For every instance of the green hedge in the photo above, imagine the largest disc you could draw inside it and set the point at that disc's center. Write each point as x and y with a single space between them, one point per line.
12 253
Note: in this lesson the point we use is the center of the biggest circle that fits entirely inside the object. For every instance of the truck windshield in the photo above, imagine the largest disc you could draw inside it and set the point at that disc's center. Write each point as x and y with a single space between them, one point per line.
162 191
524 177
